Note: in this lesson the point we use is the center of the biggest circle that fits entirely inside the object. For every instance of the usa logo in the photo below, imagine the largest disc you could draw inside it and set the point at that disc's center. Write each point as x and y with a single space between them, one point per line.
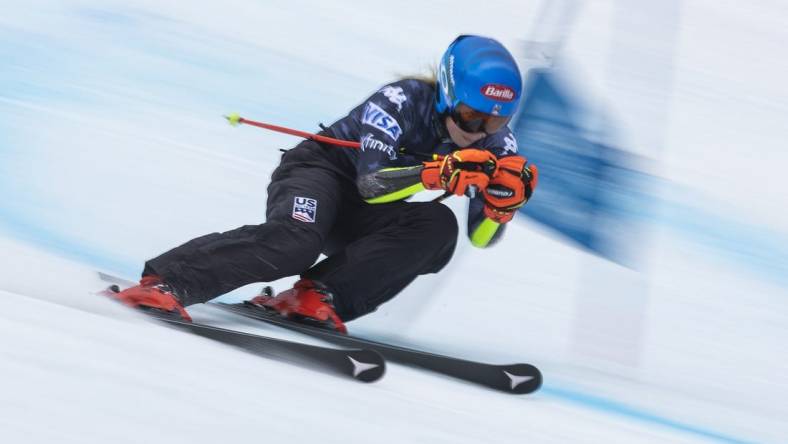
380 119
305 209
501 93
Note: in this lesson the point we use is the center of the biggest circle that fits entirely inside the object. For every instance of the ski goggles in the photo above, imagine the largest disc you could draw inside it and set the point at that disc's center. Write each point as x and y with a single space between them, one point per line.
472 121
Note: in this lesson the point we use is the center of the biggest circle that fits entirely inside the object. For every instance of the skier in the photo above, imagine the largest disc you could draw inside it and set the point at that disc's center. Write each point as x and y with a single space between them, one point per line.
446 134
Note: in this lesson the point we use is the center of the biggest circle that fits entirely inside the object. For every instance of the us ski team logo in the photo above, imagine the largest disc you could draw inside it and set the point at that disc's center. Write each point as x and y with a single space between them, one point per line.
305 209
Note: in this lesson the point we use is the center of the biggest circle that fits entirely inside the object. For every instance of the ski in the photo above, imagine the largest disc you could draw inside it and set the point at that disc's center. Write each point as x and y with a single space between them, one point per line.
361 364
512 378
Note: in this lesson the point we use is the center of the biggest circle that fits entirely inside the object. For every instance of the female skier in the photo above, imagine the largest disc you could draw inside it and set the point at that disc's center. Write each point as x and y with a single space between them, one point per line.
450 134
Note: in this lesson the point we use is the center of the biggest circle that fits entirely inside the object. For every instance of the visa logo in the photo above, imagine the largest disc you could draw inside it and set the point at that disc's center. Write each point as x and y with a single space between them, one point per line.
380 119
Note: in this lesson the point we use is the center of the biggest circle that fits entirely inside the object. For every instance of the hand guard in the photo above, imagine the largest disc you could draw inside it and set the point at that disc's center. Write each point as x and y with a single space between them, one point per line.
509 189
459 171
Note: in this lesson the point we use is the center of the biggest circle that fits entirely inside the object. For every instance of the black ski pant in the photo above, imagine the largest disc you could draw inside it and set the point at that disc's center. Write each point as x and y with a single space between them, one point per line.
373 251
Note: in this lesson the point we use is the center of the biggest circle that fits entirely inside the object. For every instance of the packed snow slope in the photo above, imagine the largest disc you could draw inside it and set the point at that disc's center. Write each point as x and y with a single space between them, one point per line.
78 369
113 149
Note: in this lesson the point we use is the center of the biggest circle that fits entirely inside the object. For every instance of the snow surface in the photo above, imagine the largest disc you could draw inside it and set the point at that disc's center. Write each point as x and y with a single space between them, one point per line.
113 149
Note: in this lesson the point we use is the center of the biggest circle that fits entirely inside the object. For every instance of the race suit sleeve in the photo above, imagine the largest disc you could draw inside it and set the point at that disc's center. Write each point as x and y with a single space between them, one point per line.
482 231
384 173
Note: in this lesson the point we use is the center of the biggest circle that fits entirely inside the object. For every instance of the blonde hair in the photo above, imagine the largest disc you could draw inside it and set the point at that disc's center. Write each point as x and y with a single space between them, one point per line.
429 75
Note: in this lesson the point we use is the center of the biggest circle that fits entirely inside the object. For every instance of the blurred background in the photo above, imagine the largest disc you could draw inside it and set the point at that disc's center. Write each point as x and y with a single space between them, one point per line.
647 277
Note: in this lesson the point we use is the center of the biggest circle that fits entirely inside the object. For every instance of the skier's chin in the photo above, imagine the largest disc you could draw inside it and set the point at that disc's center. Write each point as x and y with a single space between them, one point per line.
462 138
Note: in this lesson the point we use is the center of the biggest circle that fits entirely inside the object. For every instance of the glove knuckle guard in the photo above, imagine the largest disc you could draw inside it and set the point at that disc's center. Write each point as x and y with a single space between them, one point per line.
510 189
431 175
460 170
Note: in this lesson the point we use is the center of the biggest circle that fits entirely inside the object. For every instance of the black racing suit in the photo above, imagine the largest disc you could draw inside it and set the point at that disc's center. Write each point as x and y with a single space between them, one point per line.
346 203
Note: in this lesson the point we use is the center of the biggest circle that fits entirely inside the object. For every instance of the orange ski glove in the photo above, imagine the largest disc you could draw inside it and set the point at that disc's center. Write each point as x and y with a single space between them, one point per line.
509 189
459 171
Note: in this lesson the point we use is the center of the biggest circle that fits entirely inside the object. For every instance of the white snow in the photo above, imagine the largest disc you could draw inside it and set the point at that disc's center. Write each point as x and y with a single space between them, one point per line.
113 149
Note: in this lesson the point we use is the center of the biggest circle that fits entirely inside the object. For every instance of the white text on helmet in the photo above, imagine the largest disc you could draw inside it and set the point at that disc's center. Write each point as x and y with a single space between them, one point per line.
498 92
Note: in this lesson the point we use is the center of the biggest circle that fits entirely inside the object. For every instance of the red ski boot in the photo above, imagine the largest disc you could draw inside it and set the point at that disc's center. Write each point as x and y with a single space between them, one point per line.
152 295
307 300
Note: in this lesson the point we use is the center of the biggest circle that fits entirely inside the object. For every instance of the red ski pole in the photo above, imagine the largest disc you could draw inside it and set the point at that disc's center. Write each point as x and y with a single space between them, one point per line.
236 119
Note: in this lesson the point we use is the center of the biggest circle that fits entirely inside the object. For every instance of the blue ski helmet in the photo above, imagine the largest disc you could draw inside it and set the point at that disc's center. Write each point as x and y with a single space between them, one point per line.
480 73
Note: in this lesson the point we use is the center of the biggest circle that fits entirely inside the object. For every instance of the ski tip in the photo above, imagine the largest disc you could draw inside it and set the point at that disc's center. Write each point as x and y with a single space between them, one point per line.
521 379
366 365
233 118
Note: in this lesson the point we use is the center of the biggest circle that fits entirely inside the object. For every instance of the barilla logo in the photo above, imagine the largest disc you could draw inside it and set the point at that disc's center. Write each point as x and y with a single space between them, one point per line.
500 93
